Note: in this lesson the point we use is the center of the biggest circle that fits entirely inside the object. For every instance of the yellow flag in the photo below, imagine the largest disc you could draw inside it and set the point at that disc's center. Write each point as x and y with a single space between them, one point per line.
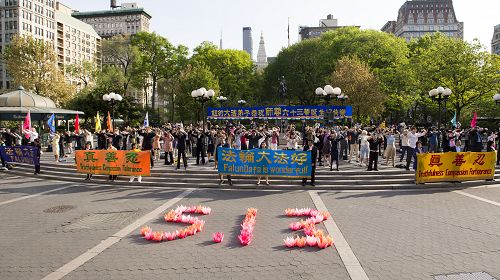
97 123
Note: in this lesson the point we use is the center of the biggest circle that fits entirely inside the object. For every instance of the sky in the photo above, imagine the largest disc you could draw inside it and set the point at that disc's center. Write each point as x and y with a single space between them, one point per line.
190 22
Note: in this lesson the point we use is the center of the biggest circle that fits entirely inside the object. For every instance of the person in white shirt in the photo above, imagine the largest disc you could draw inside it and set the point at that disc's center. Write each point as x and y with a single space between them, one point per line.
404 144
412 144
32 134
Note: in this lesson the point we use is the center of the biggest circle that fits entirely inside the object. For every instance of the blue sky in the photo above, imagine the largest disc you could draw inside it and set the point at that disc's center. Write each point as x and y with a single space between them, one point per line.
190 22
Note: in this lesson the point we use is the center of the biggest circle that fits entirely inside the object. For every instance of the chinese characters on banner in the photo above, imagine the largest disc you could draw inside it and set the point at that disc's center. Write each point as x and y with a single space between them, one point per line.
458 167
280 163
281 112
21 154
110 162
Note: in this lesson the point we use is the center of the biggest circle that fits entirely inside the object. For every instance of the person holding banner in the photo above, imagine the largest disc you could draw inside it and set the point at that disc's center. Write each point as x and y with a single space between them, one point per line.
314 156
147 142
263 146
112 178
139 178
88 147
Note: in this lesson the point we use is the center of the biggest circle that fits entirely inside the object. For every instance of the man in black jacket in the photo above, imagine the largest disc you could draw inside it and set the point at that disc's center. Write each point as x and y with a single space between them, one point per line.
200 137
314 156
181 137
147 142
375 140
253 139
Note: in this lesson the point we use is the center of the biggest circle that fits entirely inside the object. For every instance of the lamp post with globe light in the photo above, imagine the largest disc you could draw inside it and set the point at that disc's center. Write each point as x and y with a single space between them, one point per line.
439 95
221 99
242 102
328 92
496 98
203 95
113 98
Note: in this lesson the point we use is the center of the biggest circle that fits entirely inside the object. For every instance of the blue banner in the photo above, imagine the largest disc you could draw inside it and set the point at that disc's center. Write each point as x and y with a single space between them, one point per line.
21 154
281 112
259 162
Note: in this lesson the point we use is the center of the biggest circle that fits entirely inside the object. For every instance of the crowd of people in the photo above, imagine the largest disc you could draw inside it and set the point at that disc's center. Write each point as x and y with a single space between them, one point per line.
359 145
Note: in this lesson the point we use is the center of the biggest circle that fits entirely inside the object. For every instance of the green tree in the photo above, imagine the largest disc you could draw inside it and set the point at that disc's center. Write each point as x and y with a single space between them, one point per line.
466 68
356 80
193 77
85 73
158 58
33 64
233 69
119 51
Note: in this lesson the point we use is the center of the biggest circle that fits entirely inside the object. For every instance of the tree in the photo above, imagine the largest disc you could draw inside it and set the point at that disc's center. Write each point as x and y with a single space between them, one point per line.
357 81
193 77
33 64
308 64
233 69
466 68
85 72
119 51
158 58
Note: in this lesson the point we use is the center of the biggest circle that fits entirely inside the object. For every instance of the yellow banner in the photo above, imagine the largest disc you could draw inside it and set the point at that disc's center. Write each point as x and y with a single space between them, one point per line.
110 162
455 167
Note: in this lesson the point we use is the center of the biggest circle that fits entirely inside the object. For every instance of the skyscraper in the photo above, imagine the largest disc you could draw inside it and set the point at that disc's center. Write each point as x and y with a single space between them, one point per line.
261 54
420 17
495 42
247 41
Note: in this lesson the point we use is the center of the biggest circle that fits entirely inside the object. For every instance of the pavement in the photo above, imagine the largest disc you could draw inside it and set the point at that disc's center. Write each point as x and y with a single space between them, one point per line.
60 230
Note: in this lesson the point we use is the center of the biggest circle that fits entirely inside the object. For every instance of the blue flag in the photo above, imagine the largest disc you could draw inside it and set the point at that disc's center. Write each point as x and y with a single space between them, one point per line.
146 120
52 124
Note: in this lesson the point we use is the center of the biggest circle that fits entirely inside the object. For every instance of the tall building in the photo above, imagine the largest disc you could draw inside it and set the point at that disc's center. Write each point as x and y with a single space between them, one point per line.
127 19
420 17
261 54
495 42
325 25
50 21
76 41
247 41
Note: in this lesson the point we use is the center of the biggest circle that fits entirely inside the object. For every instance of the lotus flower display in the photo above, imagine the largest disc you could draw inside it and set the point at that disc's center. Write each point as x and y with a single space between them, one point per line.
313 238
246 233
176 216
290 242
218 237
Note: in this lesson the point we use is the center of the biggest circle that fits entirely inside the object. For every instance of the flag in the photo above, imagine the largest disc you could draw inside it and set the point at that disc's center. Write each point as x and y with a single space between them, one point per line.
382 125
146 120
27 125
51 122
288 32
110 125
454 120
77 124
473 123
97 123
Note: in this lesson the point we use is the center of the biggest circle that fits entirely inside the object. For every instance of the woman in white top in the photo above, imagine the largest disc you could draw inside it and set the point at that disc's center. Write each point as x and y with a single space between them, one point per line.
390 151
55 146
364 150
292 141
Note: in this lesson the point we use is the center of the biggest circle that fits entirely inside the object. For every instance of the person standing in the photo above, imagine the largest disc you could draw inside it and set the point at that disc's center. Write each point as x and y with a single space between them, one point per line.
314 156
434 141
88 147
334 140
374 142
36 144
390 151
404 145
364 150
147 142
418 150
275 138
352 138
181 137
168 147
55 146
139 178
112 178
199 137
412 144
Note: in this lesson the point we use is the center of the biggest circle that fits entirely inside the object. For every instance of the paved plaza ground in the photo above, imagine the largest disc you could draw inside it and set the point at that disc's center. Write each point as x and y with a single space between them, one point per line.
61 230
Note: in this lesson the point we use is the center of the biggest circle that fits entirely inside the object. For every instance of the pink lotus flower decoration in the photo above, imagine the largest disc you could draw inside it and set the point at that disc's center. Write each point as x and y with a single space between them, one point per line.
290 242
176 216
300 242
311 241
218 237
246 233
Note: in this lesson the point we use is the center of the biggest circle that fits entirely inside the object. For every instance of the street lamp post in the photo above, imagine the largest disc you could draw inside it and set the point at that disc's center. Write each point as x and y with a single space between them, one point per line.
242 102
343 98
439 95
114 98
327 92
203 95
496 98
221 99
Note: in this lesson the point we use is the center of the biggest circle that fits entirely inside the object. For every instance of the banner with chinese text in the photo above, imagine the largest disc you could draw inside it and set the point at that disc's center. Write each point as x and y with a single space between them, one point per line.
281 112
258 162
20 154
110 162
455 167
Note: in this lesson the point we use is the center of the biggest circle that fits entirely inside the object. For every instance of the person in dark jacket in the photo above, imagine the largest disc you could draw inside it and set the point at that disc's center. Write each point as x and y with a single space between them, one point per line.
314 156
334 139
36 144
253 139
147 142
181 137
374 142
200 139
